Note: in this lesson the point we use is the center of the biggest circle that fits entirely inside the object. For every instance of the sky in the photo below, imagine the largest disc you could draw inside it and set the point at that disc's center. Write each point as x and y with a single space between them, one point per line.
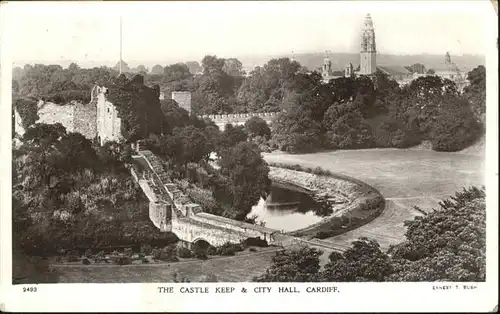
161 32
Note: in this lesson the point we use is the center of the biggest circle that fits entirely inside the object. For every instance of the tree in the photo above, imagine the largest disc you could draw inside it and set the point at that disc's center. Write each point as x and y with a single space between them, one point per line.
113 155
27 108
231 136
364 261
265 88
42 158
138 107
157 69
215 89
142 68
348 130
17 73
125 67
73 67
256 126
417 68
77 151
194 67
233 67
176 72
247 178
175 116
454 127
296 131
212 64
475 93
342 89
448 244
300 265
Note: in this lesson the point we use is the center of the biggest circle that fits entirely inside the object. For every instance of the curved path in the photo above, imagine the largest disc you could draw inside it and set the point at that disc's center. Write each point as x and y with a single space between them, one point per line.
405 177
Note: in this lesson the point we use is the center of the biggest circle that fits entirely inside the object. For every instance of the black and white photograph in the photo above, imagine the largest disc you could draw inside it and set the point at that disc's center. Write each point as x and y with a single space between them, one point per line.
190 143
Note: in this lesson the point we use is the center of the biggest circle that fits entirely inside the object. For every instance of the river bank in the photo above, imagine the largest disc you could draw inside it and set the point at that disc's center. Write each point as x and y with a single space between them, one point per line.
353 202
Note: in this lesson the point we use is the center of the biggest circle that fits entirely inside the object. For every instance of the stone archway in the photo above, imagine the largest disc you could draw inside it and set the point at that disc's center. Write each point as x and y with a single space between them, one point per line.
200 243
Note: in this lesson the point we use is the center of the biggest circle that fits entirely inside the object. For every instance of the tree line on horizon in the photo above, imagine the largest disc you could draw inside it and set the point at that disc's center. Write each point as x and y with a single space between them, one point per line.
345 113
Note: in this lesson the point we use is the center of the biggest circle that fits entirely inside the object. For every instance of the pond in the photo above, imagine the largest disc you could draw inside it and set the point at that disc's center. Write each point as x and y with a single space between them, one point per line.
285 208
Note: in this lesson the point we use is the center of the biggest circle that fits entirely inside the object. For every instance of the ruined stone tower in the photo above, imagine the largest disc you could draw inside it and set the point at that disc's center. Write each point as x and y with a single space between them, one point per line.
368 53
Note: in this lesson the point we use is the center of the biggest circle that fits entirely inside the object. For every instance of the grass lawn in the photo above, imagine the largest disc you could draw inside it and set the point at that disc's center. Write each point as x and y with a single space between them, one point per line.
239 268
405 177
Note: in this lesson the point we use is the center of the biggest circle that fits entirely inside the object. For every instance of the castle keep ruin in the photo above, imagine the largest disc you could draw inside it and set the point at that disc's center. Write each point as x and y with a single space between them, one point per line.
96 120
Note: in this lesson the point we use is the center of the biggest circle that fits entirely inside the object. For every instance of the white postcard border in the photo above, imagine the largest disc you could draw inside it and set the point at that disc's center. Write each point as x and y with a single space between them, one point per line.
392 297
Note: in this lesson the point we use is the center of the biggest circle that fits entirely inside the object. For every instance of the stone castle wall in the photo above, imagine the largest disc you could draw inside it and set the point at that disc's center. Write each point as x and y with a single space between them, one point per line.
160 215
183 99
240 116
85 119
97 119
51 113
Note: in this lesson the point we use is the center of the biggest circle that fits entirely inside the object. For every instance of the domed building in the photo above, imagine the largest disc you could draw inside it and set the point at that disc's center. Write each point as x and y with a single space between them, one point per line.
449 70
368 64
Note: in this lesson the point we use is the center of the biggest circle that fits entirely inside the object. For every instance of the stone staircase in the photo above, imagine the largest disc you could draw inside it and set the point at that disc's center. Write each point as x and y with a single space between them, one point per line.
156 165
161 175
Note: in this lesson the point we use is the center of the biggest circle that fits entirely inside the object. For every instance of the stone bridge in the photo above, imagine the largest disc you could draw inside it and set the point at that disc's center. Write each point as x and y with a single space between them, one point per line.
171 211
238 118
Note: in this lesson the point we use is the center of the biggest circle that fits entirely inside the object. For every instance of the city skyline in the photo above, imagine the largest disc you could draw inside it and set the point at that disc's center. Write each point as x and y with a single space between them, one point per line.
80 32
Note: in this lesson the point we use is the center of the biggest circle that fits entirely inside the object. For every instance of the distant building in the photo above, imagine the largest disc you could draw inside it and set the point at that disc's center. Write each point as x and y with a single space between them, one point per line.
368 53
183 99
368 60
449 70
402 75
398 73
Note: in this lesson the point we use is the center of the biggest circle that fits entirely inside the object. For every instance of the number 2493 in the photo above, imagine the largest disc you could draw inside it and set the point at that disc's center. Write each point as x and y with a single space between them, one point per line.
29 289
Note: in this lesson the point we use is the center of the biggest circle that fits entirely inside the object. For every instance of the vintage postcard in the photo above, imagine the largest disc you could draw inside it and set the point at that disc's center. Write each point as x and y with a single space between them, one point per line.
249 156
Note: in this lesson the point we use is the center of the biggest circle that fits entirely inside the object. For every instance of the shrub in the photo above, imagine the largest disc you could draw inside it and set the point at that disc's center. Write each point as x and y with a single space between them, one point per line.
168 253
252 249
85 261
88 253
184 253
178 278
229 249
73 258
212 250
123 260
255 242
146 249
322 234
256 126
128 252
200 253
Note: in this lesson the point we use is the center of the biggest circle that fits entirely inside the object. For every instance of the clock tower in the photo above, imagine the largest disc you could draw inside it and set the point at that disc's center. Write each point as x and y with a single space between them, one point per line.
368 53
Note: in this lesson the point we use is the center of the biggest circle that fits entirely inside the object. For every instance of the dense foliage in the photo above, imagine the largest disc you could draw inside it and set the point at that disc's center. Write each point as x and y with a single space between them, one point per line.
350 113
345 113
246 176
138 107
448 244
67 195
53 83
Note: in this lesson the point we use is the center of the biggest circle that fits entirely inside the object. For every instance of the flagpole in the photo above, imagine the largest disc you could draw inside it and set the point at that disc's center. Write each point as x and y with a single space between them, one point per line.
120 44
